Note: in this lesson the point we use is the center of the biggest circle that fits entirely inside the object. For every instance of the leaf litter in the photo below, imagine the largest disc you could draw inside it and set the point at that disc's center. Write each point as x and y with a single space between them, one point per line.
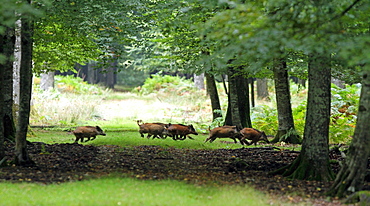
58 163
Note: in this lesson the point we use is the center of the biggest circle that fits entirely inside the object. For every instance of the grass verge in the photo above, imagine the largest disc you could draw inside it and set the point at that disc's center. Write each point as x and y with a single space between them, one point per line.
127 191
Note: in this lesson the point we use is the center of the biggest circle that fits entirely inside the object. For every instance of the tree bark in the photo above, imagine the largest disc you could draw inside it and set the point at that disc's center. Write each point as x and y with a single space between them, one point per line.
262 89
251 81
213 94
350 178
238 111
8 44
21 155
286 131
313 161
5 42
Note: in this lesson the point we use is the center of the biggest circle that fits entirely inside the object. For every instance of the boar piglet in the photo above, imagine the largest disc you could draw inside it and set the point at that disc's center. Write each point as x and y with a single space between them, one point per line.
88 132
152 129
180 131
254 135
224 132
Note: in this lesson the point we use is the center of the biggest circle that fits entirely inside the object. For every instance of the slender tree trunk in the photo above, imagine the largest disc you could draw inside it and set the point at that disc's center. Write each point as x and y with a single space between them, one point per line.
4 42
213 94
251 81
16 65
262 89
21 155
313 161
351 176
286 131
8 45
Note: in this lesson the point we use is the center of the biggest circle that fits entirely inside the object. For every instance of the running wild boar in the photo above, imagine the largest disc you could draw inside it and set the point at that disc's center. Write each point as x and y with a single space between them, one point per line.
152 129
224 132
180 131
254 135
88 132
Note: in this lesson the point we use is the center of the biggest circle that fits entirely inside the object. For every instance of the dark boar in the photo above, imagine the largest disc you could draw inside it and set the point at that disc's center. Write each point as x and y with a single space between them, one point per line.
152 129
87 131
224 132
254 135
180 131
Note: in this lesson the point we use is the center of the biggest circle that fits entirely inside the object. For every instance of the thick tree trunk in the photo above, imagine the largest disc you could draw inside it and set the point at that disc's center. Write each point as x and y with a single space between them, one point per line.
286 131
351 176
213 94
21 155
262 89
313 161
243 101
8 44
199 81
238 111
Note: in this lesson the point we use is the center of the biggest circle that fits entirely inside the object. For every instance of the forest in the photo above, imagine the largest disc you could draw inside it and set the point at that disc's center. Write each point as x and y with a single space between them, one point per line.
229 44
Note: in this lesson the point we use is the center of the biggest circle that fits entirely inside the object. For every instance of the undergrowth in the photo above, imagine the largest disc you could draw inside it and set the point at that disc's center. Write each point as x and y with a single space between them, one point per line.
73 103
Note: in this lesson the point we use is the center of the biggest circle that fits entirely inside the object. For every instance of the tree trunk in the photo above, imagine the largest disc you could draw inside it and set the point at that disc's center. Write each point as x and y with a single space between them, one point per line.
262 89
351 176
243 100
286 131
8 44
199 81
313 161
21 155
47 81
5 47
238 111
213 94
251 81
16 65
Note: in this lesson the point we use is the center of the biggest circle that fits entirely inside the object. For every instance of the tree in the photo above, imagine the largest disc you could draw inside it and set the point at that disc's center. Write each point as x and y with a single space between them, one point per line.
213 94
8 44
313 161
351 176
262 89
238 111
21 155
286 131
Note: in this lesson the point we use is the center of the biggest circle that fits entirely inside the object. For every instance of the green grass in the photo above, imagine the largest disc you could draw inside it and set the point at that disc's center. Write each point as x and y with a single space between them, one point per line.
128 137
127 191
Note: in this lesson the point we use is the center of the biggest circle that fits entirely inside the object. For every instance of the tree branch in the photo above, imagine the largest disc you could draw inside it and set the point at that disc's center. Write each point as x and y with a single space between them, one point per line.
346 10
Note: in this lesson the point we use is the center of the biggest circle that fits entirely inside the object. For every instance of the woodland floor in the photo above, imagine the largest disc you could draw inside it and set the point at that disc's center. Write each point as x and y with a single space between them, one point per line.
59 163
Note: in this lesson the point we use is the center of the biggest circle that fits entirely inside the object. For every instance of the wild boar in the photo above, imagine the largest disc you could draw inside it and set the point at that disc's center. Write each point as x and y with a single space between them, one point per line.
224 132
180 131
152 129
254 135
88 132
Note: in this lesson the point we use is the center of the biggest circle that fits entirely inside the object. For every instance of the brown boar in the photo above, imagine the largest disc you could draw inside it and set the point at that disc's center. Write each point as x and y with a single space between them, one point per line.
88 132
180 131
152 129
224 132
254 135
